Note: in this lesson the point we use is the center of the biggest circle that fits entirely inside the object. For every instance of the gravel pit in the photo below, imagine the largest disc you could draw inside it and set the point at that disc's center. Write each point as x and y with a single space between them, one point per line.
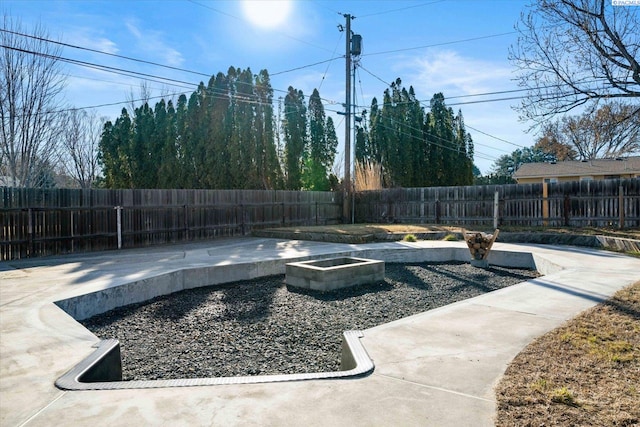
261 326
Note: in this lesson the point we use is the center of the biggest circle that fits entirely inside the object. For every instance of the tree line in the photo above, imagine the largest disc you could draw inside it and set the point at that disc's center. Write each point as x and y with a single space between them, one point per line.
222 136
225 135
414 147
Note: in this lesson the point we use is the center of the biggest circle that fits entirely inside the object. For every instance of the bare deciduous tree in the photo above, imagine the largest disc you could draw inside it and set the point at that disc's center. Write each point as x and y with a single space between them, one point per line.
611 131
80 139
31 82
573 53
553 141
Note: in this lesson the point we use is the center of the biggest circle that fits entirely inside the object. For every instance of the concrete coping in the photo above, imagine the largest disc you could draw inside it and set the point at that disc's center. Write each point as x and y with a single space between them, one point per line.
102 370
90 373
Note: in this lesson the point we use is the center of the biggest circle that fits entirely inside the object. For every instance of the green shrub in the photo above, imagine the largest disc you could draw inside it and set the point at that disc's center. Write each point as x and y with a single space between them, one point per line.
410 238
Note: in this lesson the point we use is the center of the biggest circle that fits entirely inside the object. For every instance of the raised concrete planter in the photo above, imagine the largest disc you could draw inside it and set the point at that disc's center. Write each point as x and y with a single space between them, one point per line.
334 273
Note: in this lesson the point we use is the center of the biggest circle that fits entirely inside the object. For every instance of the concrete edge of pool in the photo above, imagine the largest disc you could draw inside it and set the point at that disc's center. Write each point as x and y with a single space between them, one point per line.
102 369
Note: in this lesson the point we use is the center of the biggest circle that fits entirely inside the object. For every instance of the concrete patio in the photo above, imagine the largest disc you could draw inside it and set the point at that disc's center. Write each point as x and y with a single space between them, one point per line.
435 368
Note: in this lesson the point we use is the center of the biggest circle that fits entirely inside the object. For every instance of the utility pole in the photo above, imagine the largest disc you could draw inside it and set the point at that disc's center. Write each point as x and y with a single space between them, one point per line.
346 199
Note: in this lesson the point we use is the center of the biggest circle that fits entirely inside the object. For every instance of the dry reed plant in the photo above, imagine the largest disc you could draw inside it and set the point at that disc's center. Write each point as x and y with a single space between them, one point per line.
368 176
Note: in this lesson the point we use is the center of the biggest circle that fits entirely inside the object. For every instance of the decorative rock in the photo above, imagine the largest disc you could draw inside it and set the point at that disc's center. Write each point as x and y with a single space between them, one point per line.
263 327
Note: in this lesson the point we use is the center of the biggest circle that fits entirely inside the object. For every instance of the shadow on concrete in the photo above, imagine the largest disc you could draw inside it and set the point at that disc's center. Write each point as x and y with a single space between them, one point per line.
591 296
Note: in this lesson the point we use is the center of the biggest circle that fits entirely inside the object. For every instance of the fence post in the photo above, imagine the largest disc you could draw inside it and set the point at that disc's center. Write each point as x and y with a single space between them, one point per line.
119 225
72 233
496 205
545 204
621 206
241 219
186 222
437 211
567 207
30 231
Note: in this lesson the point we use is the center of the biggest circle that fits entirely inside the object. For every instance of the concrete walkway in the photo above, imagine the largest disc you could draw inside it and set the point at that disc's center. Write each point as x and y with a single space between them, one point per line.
437 368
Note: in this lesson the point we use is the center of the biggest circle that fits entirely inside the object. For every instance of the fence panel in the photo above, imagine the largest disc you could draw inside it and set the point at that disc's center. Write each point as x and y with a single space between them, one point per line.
572 204
37 222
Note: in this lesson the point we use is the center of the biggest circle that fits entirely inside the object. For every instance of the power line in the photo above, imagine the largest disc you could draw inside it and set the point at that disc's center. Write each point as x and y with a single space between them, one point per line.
439 44
129 73
142 61
400 9
373 75
327 7
306 66
494 137
329 64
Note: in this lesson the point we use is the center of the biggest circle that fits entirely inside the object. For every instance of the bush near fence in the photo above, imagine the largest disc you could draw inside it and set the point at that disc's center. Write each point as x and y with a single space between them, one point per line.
38 222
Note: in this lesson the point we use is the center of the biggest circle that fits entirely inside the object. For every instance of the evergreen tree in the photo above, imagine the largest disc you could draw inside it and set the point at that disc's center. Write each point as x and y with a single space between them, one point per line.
322 147
508 164
414 140
144 151
115 148
332 147
374 143
243 163
464 154
181 143
219 125
295 137
195 139
168 170
220 136
415 149
268 163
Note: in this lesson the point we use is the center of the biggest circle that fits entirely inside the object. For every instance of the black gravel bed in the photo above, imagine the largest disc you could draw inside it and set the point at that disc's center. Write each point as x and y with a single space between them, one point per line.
262 326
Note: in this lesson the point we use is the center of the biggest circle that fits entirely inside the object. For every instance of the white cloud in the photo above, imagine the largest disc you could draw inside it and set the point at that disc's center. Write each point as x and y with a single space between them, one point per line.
87 37
448 72
152 42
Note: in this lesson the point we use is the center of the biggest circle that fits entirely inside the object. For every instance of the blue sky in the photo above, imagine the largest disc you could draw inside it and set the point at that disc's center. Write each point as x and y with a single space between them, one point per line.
457 47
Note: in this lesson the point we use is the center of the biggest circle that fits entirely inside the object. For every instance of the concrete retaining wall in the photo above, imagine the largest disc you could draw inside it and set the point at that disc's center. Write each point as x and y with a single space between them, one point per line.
84 306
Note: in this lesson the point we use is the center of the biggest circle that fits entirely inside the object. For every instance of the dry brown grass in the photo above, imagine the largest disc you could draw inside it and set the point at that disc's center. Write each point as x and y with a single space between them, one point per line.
364 229
360 229
586 373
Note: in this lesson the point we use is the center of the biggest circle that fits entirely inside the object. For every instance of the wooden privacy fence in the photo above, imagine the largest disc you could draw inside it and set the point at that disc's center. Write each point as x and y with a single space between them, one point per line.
571 204
37 222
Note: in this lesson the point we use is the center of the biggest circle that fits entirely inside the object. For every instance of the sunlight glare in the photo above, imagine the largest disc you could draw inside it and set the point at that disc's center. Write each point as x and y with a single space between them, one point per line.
266 13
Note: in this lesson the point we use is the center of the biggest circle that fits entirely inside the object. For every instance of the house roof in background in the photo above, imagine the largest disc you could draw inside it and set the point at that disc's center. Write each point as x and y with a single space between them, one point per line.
579 168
